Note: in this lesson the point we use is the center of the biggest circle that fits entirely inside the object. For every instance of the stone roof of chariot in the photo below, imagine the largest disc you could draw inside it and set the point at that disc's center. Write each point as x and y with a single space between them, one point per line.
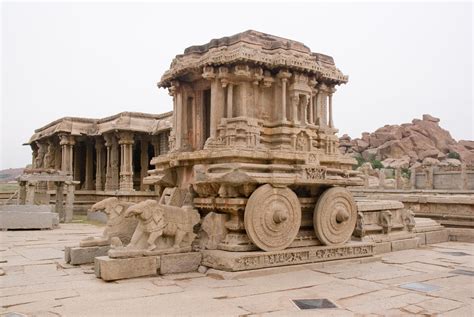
269 51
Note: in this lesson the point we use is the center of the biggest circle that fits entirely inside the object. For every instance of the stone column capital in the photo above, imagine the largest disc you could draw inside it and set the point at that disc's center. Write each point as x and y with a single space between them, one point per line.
126 137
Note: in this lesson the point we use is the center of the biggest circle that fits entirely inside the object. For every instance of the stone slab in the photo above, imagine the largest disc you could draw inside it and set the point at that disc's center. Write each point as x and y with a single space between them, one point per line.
116 269
180 262
422 238
27 208
406 244
461 234
437 236
28 220
382 247
377 205
84 255
239 261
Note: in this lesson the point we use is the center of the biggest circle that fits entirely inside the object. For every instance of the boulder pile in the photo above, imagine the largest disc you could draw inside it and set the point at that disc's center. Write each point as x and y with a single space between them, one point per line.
421 142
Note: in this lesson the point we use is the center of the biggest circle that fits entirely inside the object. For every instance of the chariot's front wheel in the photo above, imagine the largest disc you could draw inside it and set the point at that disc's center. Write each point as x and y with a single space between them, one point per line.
335 216
272 217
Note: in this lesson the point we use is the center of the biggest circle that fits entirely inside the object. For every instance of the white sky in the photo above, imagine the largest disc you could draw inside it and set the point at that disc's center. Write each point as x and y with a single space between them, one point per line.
94 60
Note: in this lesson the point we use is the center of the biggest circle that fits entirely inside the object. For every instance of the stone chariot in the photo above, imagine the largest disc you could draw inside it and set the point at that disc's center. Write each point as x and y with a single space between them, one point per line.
254 142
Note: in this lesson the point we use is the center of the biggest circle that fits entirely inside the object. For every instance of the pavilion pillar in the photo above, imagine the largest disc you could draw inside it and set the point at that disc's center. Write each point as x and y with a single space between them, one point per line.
89 167
22 193
126 166
69 208
99 146
144 161
311 109
178 129
111 173
59 207
30 193
67 153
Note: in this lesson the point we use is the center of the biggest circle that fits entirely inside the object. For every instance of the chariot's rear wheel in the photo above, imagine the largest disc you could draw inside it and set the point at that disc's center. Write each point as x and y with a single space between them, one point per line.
272 217
335 216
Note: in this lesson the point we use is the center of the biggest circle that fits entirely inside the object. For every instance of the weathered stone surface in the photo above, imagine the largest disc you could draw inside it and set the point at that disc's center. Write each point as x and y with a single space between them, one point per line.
180 262
433 237
238 261
116 269
83 255
383 247
406 244
28 220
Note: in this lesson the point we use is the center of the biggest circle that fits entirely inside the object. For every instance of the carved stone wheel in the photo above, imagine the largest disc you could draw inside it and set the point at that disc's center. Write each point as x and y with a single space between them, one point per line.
335 216
272 217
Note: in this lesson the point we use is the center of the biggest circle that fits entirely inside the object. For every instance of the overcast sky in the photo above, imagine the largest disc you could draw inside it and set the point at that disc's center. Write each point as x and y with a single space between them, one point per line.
95 60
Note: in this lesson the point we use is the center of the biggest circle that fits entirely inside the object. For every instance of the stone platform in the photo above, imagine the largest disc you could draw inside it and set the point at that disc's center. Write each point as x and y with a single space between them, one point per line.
27 217
83 255
112 269
239 261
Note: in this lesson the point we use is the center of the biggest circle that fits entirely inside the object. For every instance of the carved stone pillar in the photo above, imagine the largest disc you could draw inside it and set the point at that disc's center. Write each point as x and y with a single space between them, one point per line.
144 160
30 193
284 76
22 193
77 161
331 123
413 178
111 173
381 179
429 177
88 183
230 96
126 166
295 99
398 179
59 207
179 119
67 149
156 145
69 208
99 163
323 96
39 160
217 105
464 180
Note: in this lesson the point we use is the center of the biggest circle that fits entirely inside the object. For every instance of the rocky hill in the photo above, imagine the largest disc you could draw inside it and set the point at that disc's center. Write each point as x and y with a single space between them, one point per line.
10 174
421 142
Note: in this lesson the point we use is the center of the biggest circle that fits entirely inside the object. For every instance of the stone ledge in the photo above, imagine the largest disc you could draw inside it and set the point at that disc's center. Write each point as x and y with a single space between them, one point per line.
239 261
84 255
406 244
180 262
28 220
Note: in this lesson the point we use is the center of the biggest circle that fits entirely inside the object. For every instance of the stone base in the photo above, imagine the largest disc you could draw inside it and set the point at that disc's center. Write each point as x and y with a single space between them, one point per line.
116 269
239 261
461 234
28 220
111 269
429 231
84 255
406 244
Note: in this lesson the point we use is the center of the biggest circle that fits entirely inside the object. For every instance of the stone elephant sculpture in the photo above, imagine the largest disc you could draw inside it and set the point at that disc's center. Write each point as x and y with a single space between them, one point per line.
156 220
117 226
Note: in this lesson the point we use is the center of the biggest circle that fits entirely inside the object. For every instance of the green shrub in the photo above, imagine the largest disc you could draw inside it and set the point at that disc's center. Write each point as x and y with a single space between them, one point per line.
454 155
376 164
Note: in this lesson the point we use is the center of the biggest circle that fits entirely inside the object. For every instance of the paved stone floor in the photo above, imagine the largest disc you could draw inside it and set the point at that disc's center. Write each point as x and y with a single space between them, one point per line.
435 280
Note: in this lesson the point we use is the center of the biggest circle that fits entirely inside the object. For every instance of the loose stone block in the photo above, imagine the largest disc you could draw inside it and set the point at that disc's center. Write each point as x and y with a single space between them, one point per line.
83 255
116 269
437 236
180 262
239 261
28 220
383 247
404 244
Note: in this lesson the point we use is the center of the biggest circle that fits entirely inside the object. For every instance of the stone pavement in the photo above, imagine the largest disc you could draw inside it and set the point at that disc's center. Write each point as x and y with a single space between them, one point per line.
434 280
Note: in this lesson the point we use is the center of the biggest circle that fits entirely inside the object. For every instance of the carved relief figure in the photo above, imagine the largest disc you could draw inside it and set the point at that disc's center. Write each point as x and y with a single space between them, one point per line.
158 221
117 225
386 221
